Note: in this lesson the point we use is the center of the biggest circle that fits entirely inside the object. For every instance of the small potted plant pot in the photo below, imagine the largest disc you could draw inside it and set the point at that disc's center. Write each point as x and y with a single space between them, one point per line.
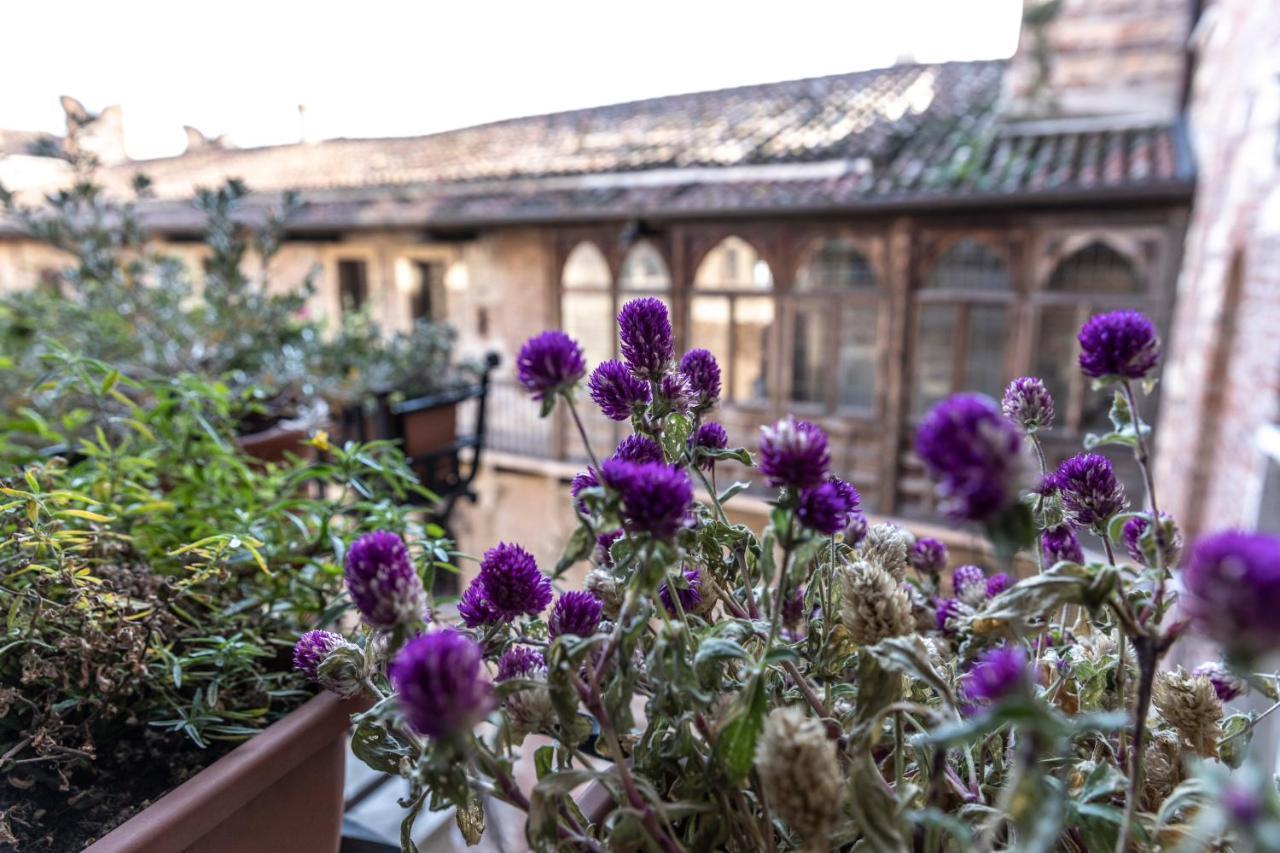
273 443
280 790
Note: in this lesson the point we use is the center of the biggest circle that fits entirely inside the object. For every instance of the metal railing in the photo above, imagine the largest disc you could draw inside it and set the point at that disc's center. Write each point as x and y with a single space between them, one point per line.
513 425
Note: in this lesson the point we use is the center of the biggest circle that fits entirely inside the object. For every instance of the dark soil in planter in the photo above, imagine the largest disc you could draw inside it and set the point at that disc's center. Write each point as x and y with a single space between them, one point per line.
144 764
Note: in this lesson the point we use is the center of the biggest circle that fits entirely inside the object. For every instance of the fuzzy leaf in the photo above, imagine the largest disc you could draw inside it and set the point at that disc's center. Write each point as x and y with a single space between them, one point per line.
1028 600
470 820
579 547
874 809
736 745
675 435
909 656
376 747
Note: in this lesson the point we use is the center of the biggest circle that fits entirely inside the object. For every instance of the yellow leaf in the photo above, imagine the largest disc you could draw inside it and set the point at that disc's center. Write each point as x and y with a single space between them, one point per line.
86 515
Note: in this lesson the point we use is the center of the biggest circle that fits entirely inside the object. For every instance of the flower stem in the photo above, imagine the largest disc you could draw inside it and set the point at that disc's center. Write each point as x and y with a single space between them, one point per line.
582 430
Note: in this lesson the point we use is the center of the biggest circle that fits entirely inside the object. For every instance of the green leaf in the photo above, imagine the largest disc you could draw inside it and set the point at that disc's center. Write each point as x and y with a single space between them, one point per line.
675 435
717 648
737 454
579 547
909 656
736 745
542 759
378 748
732 490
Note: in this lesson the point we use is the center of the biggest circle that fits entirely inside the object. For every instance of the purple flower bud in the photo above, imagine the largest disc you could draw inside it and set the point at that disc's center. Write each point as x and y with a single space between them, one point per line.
1225 683
1061 544
997 675
382 582
998 583
512 583
674 388
617 391
1233 591
439 683
690 596
928 556
857 530
520 662
311 650
969 584
474 606
582 481
825 508
1027 403
604 544
655 497
638 448
947 615
710 436
1122 343
973 453
793 608
549 363
794 454
1139 540
645 333
1090 492
575 613
701 371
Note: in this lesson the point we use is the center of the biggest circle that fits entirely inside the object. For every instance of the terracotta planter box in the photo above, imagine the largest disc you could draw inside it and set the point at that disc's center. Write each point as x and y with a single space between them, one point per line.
271 445
281 790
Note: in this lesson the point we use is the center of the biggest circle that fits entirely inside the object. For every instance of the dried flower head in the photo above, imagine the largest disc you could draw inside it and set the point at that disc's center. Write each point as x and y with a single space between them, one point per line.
608 588
949 614
382 582
1027 403
638 448
1190 704
1090 492
1164 769
1061 544
873 604
617 391
974 454
969 583
794 454
1140 541
550 363
702 373
800 773
690 595
644 330
888 547
928 556
655 497
576 613
709 436
1122 344
1225 683
1233 591
440 684
512 583
529 709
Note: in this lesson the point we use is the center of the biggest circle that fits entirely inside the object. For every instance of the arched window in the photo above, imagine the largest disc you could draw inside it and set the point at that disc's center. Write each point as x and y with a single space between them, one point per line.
835 328
644 270
586 303
731 313
962 319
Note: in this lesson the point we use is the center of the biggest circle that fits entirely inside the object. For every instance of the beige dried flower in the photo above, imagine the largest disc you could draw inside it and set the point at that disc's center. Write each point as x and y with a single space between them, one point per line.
888 546
1164 770
801 776
1191 705
608 588
873 605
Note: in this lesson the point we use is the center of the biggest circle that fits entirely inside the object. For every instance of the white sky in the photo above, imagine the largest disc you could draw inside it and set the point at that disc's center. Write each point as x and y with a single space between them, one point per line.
381 68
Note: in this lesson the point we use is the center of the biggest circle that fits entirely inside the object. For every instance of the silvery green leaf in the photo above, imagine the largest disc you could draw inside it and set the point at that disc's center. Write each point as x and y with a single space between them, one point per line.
548 405
737 454
542 758
1233 745
874 809
909 656
378 748
736 745
732 490
579 547
675 435
1032 598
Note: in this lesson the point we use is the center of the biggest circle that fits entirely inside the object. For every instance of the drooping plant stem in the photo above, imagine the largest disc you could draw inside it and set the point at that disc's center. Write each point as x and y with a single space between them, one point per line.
582 430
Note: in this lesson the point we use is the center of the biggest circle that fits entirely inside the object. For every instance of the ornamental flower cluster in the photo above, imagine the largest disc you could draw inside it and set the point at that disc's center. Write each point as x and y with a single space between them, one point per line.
827 681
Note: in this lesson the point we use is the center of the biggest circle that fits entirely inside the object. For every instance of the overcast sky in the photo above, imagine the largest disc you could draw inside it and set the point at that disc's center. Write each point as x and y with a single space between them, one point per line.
378 68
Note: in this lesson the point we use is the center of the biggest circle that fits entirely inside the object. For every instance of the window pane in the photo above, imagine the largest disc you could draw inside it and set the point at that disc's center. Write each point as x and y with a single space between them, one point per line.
353 284
643 269
733 265
588 317
585 268
857 358
709 326
984 370
1097 268
835 265
933 356
753 325
1055 356
809 350
969 265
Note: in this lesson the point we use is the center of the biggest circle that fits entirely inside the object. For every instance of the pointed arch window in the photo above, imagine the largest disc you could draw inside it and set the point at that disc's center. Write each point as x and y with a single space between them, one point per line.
731 313
586 303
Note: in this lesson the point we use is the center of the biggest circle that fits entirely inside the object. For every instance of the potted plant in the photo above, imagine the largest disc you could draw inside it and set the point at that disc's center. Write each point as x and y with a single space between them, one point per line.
820 684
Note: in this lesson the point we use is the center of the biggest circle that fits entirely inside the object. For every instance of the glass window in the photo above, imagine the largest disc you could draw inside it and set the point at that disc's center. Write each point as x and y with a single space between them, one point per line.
984 365
857 359
588 317
643 269
1056 355
728 316
969 265
809 350
733 265
1097 268
752 327
353 284
934 355
586 269
835 265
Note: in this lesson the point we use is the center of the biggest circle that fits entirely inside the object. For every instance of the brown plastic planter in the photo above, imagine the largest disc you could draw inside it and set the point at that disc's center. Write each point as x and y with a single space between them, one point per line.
279 791
271 445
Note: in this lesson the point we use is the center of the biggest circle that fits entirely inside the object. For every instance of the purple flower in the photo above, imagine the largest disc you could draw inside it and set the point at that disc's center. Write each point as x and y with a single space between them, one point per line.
520 662
655 497
1061 544
972 452
946 614
617 391
710 436
439 683
1139 540
382 582
582 481
1233 591
311 650
702 373
575 613
996 675
645 332
1090 491
857 530
690 595
549 363
474 606
1243 805
928 556
825 508
969 583
793 608
998 583
604 544
512 583
638 448
1122 343
794 454
1225 683
676 391
1027 403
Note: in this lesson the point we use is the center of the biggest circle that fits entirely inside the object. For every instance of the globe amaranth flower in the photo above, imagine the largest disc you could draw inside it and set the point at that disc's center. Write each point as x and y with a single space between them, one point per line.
689 595
888 547
475 608
702 373
638 448
529 709
800 772
512 583
1140 542
604 547
996 675
794 454
708 436
575 613
608 588
998 583
1233 591
677 394
928 556
1090 492
311 650
655 497
793 607
1190 704
873 604
969 583
1061 544
825 508
1225 683
617 391
440 684
582 481
1122 343
973 453
948 613
1027 403
644 330
382 582
549 363
857 530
